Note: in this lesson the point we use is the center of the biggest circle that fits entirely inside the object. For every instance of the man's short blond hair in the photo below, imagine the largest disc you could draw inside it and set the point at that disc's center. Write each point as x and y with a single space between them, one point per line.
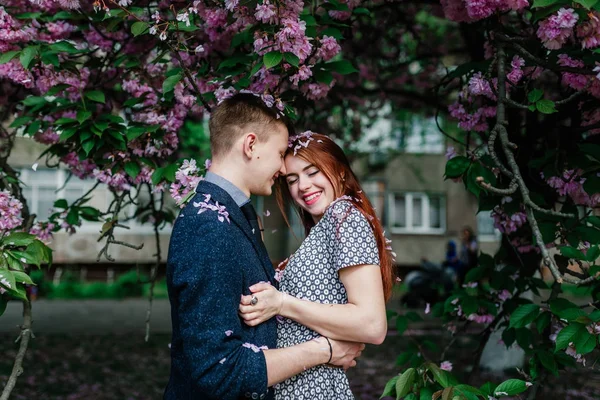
241 113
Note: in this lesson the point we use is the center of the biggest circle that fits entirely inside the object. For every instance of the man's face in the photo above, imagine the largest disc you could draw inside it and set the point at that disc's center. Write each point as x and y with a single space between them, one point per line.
268 160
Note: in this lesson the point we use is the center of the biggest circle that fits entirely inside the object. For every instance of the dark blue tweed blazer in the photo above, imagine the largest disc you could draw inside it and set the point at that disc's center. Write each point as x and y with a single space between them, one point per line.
214 355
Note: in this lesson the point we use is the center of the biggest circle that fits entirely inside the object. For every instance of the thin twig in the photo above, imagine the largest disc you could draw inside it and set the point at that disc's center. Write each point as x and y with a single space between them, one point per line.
24 336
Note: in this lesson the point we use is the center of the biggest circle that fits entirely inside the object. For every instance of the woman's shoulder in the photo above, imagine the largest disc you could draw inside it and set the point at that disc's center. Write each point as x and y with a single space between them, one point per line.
342 209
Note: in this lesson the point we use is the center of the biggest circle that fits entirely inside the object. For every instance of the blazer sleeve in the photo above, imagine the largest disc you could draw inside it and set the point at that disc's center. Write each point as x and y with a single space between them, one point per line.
207 277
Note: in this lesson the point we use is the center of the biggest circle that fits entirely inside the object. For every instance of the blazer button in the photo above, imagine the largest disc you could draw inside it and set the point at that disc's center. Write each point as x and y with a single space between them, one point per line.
255 395
248 395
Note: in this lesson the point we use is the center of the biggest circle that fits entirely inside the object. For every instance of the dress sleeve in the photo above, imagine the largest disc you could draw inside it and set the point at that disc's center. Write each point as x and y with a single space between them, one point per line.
351 236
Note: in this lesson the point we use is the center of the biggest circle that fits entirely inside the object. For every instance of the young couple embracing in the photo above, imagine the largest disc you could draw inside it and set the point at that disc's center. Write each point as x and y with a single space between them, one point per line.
241 330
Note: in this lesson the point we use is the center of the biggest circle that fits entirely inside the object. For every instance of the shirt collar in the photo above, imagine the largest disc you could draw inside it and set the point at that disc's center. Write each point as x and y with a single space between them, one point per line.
236 193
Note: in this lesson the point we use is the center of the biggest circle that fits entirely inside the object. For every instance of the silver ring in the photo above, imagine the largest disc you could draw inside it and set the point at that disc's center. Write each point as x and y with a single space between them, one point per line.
254 300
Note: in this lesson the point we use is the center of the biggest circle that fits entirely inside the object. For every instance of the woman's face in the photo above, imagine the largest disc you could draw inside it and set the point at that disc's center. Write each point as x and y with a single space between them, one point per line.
309 187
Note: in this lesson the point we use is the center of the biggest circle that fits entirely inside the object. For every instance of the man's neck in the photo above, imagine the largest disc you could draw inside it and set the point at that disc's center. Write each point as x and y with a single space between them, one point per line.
232 173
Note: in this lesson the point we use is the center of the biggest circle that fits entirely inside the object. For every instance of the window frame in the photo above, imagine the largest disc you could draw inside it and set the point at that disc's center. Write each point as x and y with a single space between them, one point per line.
426 229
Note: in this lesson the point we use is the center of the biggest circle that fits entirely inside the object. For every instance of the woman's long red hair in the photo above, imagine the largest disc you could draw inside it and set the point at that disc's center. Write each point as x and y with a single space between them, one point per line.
329 158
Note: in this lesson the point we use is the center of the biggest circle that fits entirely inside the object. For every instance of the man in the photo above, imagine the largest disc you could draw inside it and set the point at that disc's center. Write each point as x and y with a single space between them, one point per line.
216 253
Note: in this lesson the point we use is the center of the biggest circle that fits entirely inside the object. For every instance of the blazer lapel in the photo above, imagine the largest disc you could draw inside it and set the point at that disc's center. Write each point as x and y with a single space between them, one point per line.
237 218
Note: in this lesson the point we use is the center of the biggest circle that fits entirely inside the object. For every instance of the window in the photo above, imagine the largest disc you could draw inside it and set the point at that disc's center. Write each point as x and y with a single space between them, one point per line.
417 213
44 186
485 227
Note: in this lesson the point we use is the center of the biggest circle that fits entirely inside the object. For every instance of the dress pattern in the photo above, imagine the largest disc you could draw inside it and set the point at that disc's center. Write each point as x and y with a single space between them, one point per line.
342 238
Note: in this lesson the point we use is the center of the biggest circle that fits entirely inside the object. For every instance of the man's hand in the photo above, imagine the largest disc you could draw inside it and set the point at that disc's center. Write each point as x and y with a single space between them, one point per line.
344 354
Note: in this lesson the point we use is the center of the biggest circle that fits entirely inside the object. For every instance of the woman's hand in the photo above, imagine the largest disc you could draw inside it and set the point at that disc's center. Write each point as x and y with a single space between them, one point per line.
269 302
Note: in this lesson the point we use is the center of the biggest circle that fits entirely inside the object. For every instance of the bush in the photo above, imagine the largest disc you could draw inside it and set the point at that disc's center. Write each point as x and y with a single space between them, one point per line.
128 285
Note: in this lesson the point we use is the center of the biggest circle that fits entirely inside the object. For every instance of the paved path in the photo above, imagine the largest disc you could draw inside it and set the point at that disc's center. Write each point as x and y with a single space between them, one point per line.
89 316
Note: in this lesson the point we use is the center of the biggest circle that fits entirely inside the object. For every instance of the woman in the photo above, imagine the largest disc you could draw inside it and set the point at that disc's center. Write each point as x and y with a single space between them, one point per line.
336 284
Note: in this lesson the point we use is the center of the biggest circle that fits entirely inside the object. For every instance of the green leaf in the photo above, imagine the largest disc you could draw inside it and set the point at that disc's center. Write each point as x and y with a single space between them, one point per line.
401 324
543 3
560 304
83 116
442 377
272 59
9 55
133 169
535 95
405 382
3 304
390 388
587 3
524 315
20 121
170 82
571 314
403 358
96 95
543 321
508 336
545 106
511 387
332 32
567 334
475 274
547 360
292 59
361 11
18 239
571 252
457 166
139 27
323 76
64 47
87 146
9 277
22 277
343 67
27 55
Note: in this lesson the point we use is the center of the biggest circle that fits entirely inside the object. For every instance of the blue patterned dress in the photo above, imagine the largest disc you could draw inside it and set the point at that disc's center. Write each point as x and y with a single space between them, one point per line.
342 238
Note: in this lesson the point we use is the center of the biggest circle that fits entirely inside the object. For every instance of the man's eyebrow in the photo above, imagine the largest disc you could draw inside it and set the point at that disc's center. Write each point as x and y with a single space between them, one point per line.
303 169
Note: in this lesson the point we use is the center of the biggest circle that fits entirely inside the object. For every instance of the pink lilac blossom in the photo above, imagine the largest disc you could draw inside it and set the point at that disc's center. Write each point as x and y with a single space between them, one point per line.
446 366
222 214
479 86
303 74
10 211
266 13
571 184
481 319
329 48
589 31
43 231
80 168
450 153
505 223
316 91
555 30
117 180
516 73
504 295
575 81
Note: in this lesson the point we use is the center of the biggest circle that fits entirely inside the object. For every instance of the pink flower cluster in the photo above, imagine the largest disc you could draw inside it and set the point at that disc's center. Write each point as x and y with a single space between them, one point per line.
474 10
516 72
186 180
80 168
589 31
222 213
571 184
43 231
508 223
555 30
10 212
472 122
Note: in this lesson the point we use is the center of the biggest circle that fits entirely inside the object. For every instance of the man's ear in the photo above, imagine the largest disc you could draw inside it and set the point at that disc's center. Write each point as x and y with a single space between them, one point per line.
250 141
